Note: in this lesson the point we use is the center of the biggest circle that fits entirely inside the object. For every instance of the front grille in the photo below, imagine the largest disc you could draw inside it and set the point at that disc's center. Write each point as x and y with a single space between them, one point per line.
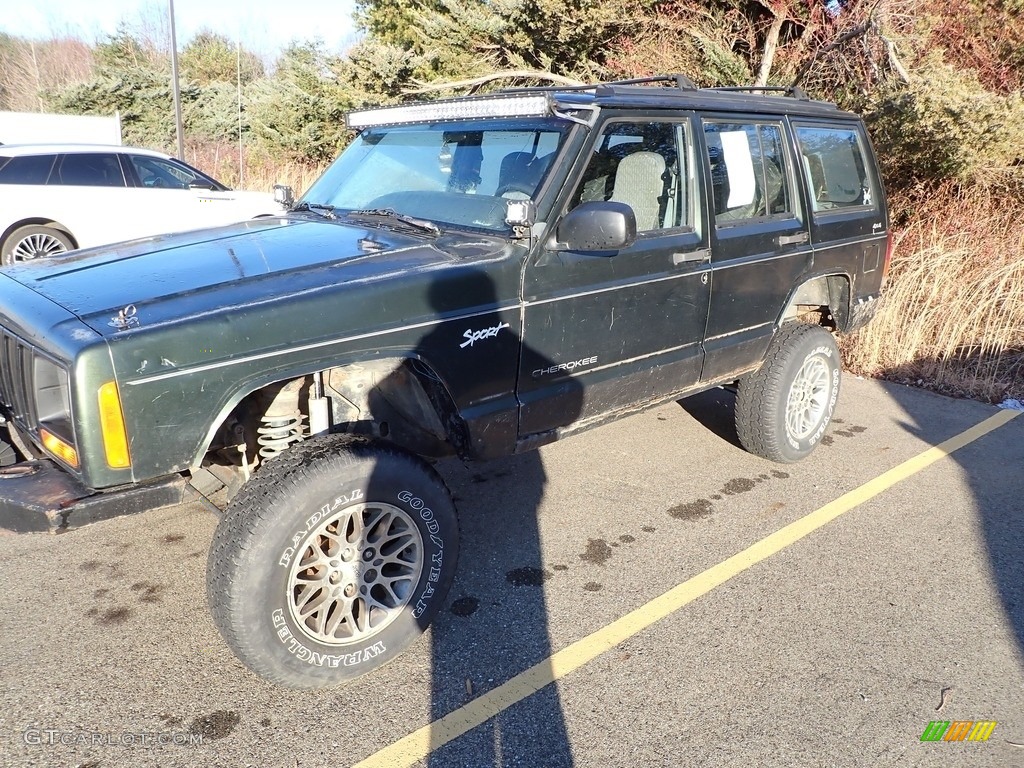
16 379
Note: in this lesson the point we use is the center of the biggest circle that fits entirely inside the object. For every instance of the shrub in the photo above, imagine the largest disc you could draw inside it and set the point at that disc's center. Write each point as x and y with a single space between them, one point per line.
952 317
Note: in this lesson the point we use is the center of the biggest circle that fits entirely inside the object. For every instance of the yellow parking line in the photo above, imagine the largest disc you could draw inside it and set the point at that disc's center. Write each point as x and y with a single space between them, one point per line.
420 743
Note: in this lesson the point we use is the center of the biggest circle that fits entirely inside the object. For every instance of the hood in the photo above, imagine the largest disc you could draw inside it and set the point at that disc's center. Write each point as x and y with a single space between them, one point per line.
171 277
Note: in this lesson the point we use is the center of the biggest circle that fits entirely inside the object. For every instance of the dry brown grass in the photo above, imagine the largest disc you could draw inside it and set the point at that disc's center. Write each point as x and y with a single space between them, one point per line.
296 175
952 318
256 173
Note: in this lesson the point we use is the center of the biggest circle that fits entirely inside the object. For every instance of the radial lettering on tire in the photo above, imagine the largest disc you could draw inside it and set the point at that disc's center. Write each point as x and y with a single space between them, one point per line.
332 561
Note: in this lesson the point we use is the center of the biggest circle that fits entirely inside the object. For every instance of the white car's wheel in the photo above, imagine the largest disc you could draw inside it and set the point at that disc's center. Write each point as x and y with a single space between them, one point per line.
34 242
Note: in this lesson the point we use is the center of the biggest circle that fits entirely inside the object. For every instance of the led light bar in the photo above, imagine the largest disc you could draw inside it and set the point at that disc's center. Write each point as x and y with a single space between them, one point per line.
466 109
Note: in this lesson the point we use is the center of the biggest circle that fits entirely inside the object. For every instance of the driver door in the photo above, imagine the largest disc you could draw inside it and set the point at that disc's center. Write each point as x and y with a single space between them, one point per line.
605 333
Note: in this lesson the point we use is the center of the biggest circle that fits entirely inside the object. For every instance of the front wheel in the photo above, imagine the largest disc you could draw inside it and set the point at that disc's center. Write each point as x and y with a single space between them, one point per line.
784 407
332 561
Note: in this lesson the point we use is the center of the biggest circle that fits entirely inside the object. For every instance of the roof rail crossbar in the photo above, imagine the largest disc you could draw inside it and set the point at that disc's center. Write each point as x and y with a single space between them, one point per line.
680 81
787 90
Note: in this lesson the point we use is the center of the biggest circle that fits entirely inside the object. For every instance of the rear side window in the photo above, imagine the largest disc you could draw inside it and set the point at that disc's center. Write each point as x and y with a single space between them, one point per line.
90 169
31 169
833 160
748 171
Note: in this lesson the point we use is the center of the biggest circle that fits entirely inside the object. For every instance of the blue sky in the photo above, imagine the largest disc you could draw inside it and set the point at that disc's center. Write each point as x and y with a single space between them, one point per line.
265 26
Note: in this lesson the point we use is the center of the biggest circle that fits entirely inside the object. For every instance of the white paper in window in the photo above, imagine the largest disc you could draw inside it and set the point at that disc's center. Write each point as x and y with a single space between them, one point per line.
739 165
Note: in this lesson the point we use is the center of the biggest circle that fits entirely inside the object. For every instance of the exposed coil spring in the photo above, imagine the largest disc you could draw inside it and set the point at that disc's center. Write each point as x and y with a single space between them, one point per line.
279 431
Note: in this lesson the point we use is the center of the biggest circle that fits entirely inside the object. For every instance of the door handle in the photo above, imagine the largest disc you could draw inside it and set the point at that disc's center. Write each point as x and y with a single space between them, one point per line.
798 239
691 256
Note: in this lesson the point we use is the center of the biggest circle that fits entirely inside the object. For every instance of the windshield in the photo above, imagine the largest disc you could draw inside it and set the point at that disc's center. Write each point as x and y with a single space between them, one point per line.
460 175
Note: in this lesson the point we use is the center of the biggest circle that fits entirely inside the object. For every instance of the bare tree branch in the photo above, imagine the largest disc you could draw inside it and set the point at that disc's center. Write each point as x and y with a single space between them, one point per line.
890 48
857 31
476 82
771 45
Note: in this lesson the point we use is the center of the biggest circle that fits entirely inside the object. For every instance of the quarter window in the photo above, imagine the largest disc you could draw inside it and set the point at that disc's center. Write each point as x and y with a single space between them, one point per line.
748 171
645 166
833 160
30 169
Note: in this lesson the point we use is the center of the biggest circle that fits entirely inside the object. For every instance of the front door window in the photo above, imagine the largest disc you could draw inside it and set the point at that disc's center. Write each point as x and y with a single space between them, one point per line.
646 166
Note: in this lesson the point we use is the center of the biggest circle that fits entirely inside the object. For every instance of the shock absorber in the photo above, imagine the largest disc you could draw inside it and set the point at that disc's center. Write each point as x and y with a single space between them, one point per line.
282 423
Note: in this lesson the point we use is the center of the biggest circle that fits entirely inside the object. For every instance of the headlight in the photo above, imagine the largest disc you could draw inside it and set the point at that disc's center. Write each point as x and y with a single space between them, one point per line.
53 409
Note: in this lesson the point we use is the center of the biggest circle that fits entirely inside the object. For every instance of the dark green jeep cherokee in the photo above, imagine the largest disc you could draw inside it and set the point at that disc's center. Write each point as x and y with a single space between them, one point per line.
476 277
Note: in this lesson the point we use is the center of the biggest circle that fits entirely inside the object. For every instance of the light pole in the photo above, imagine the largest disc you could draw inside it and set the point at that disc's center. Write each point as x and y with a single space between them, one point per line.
177 90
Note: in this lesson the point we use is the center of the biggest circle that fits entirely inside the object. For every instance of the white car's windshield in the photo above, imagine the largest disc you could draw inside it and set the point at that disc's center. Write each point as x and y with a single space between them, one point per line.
451 174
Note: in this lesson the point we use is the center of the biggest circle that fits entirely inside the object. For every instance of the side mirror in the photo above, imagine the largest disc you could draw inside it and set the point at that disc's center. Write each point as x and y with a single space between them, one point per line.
284 196
596 226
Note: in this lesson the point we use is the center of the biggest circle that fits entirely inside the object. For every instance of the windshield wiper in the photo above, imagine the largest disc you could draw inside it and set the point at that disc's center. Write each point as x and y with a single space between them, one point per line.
390 213
327 211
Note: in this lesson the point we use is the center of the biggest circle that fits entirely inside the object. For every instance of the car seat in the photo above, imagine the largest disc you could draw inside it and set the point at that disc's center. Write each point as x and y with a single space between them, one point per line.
640 184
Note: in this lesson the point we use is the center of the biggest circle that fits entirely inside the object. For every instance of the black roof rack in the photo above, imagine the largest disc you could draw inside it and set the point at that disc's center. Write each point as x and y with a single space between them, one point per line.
786 90
674 88
682 82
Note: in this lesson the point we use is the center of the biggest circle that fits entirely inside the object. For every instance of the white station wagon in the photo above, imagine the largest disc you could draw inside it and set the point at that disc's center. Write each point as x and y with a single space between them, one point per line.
58 197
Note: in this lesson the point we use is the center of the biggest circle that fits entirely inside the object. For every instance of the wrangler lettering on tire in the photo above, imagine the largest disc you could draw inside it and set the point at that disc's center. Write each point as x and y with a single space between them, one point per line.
362 540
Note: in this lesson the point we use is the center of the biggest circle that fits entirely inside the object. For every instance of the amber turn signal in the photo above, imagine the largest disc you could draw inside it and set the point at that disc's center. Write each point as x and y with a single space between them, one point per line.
59 448
115 440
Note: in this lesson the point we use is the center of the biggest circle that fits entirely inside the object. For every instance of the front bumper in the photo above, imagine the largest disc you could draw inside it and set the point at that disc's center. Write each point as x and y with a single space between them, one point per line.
38 496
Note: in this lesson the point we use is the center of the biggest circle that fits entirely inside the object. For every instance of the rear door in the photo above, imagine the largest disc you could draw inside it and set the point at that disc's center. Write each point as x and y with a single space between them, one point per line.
847 204
760 240
604 332
23 188
88 193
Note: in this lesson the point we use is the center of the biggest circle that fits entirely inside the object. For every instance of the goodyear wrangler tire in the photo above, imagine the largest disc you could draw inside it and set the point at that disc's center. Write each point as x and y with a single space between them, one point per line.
332 561
783 408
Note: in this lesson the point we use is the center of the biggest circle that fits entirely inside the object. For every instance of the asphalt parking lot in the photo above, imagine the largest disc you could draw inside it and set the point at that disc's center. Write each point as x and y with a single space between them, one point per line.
645 594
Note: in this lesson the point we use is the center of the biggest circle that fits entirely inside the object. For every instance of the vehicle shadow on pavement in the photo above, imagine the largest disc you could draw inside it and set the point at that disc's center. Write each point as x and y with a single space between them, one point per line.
715 410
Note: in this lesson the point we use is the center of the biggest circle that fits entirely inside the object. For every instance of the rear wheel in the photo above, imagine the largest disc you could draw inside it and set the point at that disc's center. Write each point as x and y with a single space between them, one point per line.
34 242
332 561
783 408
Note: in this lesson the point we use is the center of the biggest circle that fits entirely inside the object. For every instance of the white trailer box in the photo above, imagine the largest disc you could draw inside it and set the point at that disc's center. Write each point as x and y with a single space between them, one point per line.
40 128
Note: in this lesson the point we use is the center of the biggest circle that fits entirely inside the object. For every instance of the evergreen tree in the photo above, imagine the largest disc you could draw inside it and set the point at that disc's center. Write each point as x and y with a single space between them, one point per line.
212 58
